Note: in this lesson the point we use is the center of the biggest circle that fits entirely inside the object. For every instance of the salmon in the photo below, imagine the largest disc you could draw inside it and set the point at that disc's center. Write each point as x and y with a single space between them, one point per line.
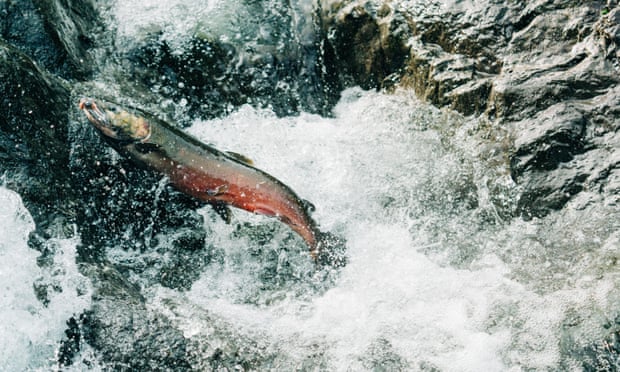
215 177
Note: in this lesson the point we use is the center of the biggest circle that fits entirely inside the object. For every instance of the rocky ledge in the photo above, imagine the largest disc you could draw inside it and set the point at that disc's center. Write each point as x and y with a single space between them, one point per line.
547 71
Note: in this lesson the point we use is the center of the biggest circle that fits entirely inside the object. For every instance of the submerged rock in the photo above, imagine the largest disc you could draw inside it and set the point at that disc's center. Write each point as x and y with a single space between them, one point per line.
365 42
125 332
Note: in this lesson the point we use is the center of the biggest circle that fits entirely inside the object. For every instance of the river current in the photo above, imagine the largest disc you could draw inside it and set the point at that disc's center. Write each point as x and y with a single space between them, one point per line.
438 277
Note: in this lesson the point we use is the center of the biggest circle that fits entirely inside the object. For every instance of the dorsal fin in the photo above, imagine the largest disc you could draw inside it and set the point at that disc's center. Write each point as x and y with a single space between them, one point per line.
308 207
239 157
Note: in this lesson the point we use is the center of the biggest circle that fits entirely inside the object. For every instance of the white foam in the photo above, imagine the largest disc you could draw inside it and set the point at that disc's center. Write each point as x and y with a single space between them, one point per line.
30 333
173 16
176 21
371 171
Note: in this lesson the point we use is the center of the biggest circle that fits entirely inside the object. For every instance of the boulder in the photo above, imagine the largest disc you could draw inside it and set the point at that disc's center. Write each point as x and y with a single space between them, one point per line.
127 333
57 34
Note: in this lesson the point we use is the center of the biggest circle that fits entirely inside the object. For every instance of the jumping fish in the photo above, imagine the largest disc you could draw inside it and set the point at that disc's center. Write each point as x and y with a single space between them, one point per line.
219 178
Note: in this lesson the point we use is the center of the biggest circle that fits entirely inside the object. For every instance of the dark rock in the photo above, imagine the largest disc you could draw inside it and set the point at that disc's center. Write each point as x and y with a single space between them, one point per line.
201 75
366 43
225 350
545 146
278 67
553 136
73 25
520 95
542 69
70 346
448 59
131 335
128 209
565 149
603 355
126 333
56 34
33 136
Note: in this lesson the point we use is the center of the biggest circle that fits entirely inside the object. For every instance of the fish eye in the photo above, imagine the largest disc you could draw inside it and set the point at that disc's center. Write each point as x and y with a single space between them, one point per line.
88 104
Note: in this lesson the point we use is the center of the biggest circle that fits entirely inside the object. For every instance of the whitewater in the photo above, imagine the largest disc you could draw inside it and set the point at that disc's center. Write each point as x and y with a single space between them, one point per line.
431 281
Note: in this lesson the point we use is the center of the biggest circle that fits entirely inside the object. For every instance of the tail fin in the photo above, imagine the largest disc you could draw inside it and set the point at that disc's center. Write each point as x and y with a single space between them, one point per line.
331 250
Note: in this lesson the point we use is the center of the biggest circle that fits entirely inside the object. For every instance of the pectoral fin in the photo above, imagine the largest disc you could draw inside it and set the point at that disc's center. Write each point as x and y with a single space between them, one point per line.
219 190
222 210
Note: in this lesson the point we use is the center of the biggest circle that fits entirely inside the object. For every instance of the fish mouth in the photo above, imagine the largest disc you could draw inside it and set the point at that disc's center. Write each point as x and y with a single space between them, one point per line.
93 112
97 116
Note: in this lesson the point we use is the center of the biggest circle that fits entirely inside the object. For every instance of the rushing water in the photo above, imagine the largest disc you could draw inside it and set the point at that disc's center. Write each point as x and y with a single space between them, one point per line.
438 276
432 280
30 332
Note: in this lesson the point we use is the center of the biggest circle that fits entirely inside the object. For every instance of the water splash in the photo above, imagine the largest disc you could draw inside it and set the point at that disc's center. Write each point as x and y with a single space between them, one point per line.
430 283
31 332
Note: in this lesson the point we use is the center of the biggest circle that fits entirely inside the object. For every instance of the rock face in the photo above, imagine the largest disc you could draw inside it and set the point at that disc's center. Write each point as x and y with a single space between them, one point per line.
547 70
56 34
33 144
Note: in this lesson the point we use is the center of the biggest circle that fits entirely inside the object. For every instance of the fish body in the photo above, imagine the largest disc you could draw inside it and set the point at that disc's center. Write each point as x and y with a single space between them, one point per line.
199 170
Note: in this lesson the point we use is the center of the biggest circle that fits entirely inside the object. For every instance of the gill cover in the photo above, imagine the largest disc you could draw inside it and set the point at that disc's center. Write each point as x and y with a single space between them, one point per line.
115 122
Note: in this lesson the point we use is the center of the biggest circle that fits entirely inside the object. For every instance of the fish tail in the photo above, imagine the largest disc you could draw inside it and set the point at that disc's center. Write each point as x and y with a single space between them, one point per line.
329 250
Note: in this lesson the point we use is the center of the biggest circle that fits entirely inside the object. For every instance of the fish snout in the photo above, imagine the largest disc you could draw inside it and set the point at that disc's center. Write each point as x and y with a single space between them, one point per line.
97 116
88 104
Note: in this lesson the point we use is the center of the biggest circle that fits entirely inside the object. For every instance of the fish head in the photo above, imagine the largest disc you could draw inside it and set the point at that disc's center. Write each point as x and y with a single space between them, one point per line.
114 122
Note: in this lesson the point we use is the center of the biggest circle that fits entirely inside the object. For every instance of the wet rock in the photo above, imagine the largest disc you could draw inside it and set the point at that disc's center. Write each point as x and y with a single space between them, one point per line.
56 34
270 66
365 42
221 349
70 346
563 150
603 355
126 333
219 345
552 137
447 58
33 135
544 69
